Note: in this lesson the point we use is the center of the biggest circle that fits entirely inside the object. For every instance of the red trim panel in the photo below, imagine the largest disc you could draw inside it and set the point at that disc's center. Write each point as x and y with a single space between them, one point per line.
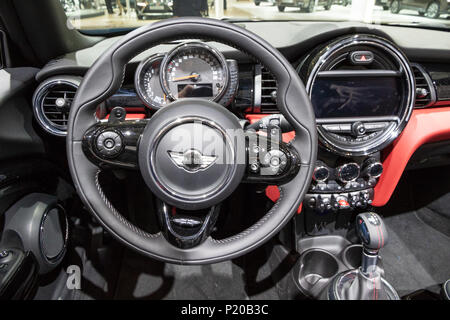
425 125
132 116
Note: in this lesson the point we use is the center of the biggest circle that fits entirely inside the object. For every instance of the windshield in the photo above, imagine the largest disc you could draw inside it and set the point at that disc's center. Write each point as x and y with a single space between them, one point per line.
113 14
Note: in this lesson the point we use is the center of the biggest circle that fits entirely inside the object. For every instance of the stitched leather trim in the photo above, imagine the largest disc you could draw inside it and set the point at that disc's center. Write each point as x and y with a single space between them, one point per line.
121 218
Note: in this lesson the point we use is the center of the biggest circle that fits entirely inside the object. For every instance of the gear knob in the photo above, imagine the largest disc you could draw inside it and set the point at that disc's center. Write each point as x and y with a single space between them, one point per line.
371 230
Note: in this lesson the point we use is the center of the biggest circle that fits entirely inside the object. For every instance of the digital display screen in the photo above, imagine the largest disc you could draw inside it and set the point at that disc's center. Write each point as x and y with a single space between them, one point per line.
356 97
201 90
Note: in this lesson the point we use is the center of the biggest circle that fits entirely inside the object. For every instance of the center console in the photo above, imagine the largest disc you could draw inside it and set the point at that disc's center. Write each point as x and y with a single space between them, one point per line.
362 89
343 184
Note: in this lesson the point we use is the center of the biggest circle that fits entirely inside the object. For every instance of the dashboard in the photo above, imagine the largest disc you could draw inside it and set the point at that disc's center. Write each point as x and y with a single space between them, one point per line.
367 86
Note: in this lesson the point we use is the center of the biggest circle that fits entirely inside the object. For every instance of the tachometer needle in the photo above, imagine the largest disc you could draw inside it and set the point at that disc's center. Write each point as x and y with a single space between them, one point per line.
186 77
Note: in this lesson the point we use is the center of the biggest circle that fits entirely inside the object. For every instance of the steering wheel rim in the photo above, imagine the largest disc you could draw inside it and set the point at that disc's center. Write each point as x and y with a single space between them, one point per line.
105 77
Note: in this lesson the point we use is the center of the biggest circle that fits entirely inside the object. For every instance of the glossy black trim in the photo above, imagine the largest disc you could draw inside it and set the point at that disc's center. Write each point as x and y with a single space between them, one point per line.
130 131
440 75
186 237
358 73
285 174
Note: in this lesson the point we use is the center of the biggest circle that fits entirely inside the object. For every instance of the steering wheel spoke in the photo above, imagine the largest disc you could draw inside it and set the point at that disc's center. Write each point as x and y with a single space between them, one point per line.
113 143
270 160
184 228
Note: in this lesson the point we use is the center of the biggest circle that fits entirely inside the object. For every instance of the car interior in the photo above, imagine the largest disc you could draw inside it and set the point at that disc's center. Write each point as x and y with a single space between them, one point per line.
201 158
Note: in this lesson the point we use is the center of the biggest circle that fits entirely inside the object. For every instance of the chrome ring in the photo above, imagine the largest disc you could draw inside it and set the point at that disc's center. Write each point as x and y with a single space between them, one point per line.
137 79
370 166
318 168
219 56
340 168
55 259
38 99
392 131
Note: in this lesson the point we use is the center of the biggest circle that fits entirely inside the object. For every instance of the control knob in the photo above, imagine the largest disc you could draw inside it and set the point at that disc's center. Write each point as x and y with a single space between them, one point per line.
321 172
348 172
109 143
372 168
358 128
275 161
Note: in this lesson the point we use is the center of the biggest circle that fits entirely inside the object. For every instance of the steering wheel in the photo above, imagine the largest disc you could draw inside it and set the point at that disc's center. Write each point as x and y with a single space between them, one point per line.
213 177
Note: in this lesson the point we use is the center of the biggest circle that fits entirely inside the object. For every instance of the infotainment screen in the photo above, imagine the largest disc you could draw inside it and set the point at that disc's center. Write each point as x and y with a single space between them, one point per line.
356 97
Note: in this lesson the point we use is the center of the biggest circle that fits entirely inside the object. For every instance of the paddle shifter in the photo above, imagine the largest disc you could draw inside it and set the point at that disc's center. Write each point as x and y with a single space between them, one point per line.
365 283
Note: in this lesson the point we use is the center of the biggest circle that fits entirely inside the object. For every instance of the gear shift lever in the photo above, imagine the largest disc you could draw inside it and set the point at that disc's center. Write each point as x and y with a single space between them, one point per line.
365 283
372 232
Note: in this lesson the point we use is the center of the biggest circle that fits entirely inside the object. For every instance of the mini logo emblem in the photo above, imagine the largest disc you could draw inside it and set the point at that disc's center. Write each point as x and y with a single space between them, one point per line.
191 160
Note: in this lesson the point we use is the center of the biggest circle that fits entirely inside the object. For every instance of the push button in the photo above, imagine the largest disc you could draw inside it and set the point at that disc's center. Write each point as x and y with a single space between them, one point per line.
332 127
361 57
276 160
358 129
109 144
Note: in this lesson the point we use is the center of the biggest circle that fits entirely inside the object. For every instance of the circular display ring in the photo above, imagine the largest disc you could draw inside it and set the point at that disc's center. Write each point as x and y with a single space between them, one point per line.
147 82
194 70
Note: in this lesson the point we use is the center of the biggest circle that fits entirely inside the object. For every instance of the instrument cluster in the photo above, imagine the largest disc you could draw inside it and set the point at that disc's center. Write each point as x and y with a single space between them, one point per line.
190 70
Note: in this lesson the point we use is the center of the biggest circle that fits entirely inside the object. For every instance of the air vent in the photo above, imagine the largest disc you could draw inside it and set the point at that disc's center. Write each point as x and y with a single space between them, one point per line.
51 104
56 104
425 94
268 92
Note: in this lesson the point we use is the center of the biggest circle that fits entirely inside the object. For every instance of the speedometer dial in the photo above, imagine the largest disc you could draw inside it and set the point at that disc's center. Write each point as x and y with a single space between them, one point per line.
147 82
194 70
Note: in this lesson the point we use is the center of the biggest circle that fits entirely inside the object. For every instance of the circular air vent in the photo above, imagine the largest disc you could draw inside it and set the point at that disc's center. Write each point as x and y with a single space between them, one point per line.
51 103
362 90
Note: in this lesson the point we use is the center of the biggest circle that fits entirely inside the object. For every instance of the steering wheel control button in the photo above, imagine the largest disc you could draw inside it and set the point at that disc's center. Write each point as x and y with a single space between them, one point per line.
109 144
275 160
254 167
361 57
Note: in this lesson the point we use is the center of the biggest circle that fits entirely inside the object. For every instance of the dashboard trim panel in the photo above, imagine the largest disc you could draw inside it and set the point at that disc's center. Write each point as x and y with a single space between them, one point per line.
425 125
